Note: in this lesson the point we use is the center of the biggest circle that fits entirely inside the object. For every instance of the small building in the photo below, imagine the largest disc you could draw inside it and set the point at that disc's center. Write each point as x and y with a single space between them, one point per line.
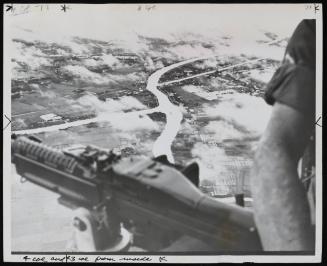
50 117
125 56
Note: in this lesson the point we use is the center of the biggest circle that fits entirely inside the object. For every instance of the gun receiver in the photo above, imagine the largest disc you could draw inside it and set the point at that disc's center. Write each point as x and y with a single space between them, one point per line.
143 194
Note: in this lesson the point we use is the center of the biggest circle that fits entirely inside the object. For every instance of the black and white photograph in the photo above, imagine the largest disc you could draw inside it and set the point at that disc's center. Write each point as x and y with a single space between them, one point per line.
162 132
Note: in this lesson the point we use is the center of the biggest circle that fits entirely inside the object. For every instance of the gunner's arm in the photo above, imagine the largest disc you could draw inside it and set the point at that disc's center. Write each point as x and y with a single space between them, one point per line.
281 208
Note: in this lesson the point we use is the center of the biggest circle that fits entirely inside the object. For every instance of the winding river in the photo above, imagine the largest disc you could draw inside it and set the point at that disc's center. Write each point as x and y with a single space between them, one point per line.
174 116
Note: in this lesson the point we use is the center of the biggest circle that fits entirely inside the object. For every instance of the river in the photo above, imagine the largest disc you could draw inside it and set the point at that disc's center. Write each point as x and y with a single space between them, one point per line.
174 116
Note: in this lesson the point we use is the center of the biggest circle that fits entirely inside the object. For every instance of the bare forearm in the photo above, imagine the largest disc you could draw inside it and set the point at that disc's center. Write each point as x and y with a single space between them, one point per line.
280 203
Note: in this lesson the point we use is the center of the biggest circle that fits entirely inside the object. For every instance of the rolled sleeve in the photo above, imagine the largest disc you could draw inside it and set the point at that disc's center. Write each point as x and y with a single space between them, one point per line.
294 82
293 85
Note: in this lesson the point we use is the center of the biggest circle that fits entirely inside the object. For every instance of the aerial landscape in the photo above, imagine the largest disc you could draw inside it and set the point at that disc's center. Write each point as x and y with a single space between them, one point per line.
192 96
55 87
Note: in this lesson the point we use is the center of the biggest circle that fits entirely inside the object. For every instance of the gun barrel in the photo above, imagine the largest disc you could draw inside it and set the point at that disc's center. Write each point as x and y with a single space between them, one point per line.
52 169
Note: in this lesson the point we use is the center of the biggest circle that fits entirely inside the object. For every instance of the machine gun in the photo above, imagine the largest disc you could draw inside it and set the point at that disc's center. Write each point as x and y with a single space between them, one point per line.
144 201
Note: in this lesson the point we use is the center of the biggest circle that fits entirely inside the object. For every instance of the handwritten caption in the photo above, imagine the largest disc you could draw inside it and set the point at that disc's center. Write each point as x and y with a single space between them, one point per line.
94 258
20 9
313 7
146 7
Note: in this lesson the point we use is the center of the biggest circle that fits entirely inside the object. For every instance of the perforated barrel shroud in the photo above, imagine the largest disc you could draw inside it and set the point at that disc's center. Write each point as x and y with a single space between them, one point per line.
44 154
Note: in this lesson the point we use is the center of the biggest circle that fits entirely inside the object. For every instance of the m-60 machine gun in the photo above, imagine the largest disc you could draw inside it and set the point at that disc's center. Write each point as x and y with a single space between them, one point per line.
144 201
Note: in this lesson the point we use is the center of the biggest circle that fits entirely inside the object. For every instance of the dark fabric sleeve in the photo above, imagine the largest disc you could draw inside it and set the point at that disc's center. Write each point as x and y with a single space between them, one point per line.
293 83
